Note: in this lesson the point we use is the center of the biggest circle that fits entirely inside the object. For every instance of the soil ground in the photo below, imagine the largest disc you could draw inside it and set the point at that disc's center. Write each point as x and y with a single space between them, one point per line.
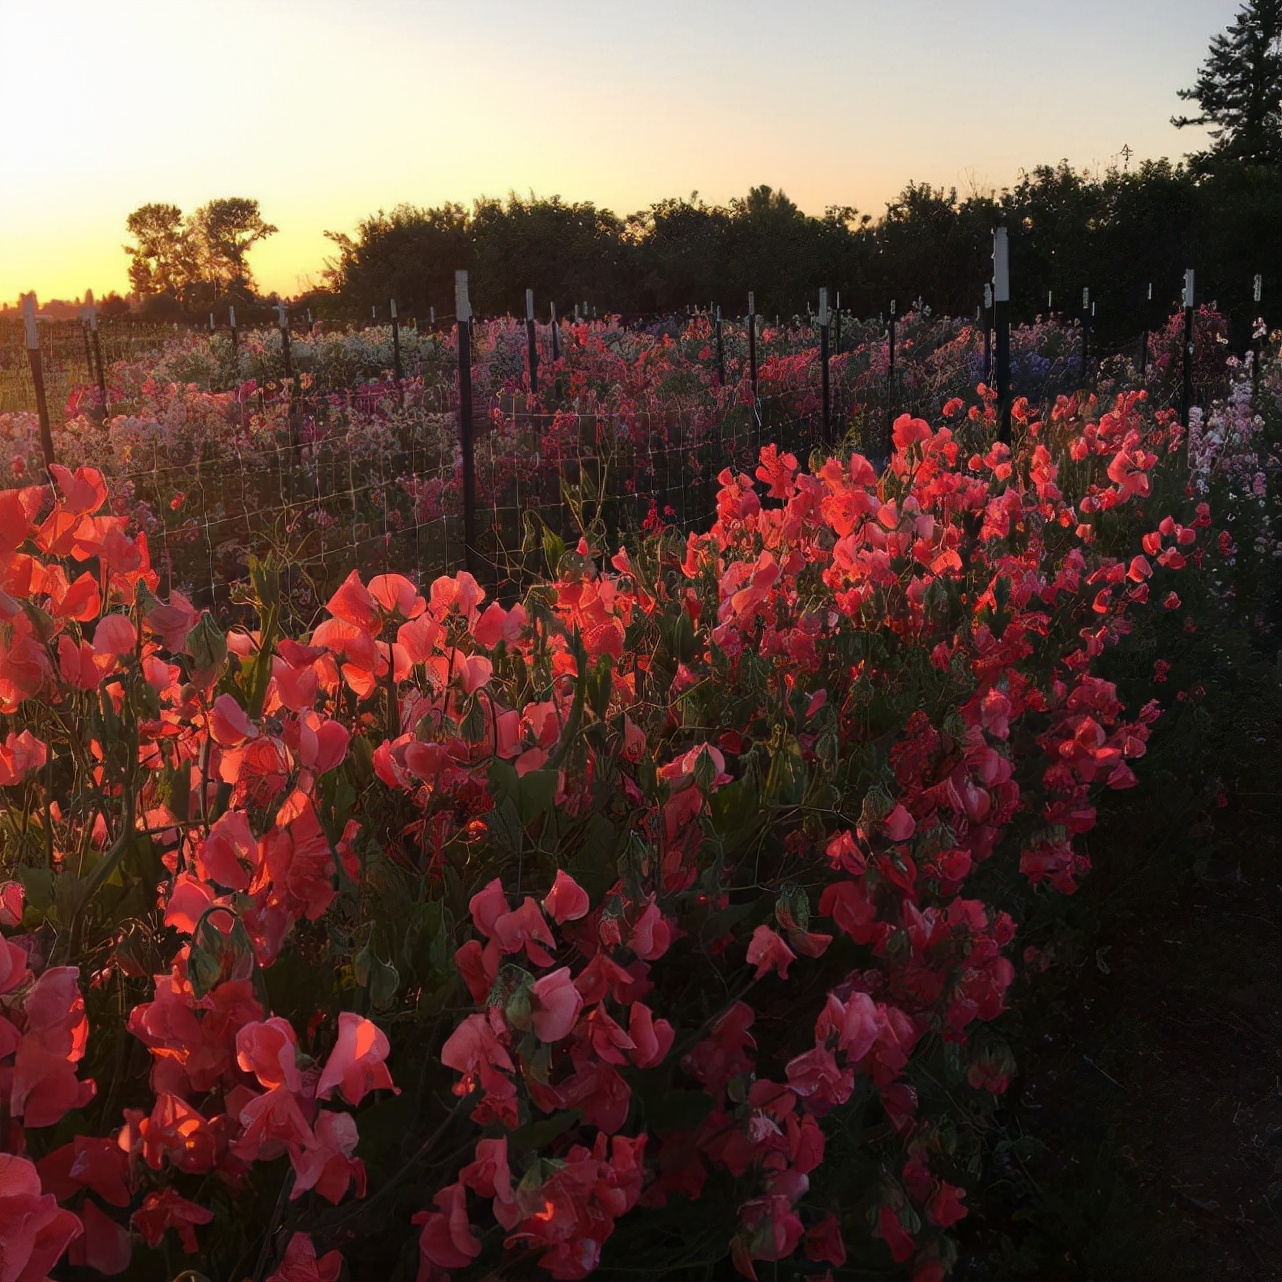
1144 1137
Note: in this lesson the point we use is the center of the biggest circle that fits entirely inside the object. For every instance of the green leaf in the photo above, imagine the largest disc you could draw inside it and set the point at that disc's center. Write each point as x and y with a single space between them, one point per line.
505 783
553 550
206 644
38 889
536 1135
537 791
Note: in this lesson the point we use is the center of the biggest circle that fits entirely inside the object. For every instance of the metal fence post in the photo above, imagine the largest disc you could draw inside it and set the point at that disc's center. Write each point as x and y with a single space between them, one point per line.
752 344
462 318
32 335
97 353
1257 342
397 372
556 336
890 380
84 329
988 332
531 342
823 360
1186 391
721 354
235 340
282 320
1001 323
1086 330
1148 309
838 352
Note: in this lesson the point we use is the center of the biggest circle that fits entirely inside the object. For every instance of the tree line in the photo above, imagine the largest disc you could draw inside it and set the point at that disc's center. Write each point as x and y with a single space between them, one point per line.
1115 233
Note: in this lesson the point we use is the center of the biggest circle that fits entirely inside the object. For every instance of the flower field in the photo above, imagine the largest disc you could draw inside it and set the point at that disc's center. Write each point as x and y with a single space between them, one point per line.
362 915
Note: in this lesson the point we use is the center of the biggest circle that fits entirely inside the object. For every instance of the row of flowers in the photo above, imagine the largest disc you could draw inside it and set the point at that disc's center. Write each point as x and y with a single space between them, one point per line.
494 933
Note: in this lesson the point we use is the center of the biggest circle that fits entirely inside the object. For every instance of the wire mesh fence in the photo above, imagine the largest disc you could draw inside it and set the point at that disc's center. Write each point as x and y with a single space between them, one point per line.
333 464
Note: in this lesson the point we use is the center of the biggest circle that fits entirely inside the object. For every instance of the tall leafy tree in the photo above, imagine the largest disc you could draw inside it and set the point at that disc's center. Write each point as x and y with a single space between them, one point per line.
410 254
162 257
223 232
1239 89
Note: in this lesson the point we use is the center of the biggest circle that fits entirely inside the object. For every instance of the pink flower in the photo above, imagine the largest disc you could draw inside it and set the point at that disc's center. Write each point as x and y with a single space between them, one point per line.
274 1124
395 594
567 900
165 1209
487 906
768 952
34 1232
448 1240
115 634
105 1247
301 1265
525 928
824 1242
651 936
229 854
269 1050
354 605
355 1065
945 1207
899 824
228 725
652 1037
555 1005
327 1165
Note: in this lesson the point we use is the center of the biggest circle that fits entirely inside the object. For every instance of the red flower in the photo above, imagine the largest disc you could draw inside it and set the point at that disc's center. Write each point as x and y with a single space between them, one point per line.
891 1231
824 1242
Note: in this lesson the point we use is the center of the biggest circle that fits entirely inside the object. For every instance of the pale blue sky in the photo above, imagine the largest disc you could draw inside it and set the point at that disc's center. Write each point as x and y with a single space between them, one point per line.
326 110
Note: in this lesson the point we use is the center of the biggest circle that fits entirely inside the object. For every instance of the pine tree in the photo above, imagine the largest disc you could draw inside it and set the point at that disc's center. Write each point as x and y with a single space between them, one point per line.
1239 90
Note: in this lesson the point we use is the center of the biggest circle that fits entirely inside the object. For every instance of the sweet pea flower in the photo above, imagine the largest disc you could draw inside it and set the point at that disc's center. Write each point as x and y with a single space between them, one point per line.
355 1065
555 1005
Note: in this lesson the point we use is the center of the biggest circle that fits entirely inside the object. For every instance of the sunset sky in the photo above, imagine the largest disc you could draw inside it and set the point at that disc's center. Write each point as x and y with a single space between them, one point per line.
325 110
